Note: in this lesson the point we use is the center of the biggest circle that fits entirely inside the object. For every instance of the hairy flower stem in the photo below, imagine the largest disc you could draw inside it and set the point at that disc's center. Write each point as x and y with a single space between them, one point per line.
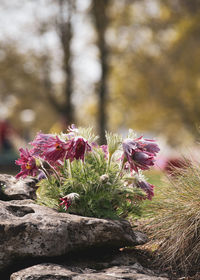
45 172
65 164
69 168
120 171
83 169
109 161
95 156
55 172
84 184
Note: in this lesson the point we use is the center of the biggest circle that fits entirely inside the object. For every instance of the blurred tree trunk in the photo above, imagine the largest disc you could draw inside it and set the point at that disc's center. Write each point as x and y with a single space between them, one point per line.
101 20
65 34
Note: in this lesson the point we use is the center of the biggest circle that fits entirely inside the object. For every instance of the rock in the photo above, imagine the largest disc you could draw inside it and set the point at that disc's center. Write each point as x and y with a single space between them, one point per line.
29 230
12 188
59 272
132 272
43 271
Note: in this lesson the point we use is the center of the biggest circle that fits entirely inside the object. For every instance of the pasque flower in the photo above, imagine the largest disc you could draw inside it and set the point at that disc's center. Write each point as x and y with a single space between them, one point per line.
68 200
48 147
139 153
143 160
27 163
38 143
148 188
65 202
147 144
77 147
55 149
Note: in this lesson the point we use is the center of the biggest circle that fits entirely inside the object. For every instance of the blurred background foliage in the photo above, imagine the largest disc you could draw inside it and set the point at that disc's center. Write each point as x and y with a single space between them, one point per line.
113 64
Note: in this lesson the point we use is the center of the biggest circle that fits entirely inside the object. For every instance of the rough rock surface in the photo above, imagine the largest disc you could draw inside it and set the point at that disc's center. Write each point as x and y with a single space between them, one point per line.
32 234
60 272
12 188
29 230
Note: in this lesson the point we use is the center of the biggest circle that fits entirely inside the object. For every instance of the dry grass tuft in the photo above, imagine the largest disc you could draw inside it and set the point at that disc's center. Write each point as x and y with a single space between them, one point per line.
175 227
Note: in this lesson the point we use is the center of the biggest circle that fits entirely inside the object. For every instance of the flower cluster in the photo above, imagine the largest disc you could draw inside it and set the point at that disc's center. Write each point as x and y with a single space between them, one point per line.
52 150
71 162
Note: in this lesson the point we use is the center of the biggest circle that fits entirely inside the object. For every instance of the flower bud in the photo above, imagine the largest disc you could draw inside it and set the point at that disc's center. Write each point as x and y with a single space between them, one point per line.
72 196
104 178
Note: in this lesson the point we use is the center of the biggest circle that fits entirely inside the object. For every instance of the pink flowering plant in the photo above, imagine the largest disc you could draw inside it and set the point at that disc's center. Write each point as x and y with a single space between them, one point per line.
78 176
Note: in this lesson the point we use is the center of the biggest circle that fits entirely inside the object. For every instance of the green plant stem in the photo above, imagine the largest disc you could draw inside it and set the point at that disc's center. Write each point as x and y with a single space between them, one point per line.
55 172
65 165
109 161
70 169
118 175
83 169
94 156
45 172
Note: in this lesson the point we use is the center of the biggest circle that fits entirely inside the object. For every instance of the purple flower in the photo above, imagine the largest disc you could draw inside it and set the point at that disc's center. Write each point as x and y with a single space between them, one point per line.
77 147
48 147
27 163
147 145
138 154
105 150
66 202
148 188
55 149
38 143
94 145
142 160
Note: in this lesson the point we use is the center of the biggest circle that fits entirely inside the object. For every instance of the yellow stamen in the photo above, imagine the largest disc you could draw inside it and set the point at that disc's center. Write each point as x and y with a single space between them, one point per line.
28 166
57 146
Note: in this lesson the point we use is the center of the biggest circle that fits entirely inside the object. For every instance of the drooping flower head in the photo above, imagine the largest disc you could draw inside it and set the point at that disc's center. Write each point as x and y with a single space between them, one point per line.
27 163
148 188
66 203
49 147
38 143
139 153
68 200
104 178
148 145
55 149
77 147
